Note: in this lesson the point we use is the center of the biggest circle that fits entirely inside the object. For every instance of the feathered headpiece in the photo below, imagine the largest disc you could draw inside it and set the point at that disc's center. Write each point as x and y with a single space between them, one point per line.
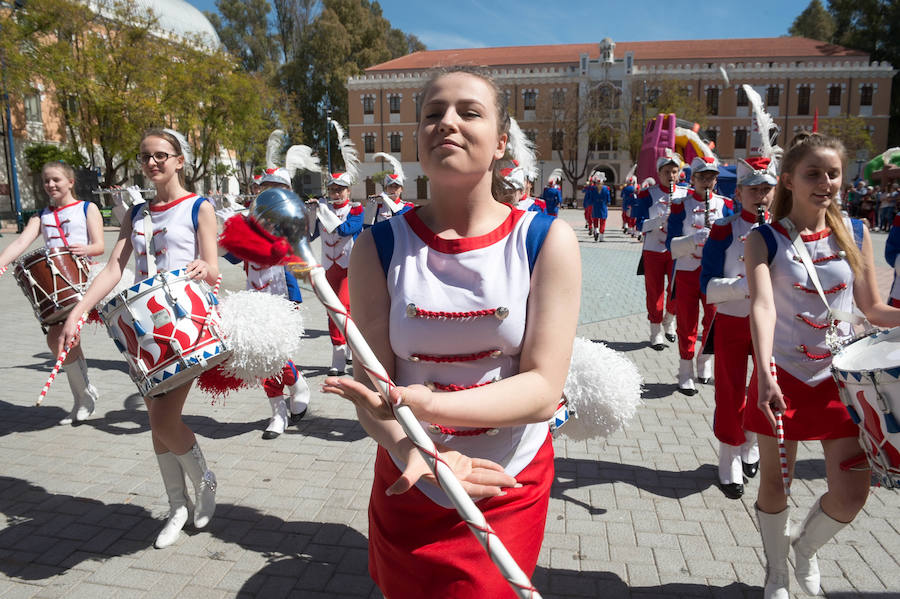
274 145
350 156
300 157
669 157
521 149
597 176
556 176
514 176
761 128
184 147
390 178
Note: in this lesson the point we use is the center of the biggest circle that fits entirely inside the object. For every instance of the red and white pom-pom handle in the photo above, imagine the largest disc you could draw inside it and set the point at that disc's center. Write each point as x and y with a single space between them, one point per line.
59 361
779 437
471 515
3 269
212 307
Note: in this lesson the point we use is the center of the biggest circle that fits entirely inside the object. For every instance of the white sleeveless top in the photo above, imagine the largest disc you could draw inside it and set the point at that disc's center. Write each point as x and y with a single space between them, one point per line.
174 234
65 226
457 318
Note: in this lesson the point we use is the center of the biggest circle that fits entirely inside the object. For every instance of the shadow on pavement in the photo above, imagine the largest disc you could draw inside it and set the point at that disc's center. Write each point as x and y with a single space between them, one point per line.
658 390
571 583
624 346
49 360
330 429
15 418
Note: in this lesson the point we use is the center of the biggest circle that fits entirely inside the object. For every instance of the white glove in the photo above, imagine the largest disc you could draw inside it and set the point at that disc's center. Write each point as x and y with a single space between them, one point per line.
701 236
682 246
720 290
651 224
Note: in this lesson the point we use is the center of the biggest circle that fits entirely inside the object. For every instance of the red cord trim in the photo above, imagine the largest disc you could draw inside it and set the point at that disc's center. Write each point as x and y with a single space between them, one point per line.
456 358
812 323
420 313
451 387
835 289
446 430
812 356
820 260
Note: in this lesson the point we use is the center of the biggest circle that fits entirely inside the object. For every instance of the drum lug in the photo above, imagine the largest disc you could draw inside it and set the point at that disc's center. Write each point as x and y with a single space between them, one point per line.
179 311
138 329
890 422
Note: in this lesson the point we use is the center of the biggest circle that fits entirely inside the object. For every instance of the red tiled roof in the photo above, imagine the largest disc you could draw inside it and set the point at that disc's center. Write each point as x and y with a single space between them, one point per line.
753 49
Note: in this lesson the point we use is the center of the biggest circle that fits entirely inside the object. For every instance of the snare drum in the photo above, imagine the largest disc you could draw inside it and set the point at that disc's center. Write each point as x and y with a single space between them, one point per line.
53 280
867 372
168 329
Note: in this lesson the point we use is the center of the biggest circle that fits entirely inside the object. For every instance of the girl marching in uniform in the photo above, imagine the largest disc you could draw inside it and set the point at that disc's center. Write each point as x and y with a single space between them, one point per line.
174 230
809 256
472 306
77 226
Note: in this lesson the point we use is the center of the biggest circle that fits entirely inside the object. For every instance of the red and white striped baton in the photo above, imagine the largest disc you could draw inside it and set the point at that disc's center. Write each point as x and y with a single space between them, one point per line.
779 437
59 361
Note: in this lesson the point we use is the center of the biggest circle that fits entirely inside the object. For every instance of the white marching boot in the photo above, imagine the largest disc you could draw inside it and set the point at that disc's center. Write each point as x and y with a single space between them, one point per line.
298 399
194 465
776 539
83 392
817 529
731 474
686 377
180 506
750 455
279 419
669 326
598 237
338 360
657 341
704 368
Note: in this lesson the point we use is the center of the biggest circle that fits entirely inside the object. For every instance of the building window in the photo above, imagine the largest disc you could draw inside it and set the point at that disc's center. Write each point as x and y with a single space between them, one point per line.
531 134
368 105
556 140
530 100
834 95
653 96
712 135
559 98
740 139
33 107
742 97
595 143
394 104
803 100
396 138
773 96
865 95
418 100
712 100
369 143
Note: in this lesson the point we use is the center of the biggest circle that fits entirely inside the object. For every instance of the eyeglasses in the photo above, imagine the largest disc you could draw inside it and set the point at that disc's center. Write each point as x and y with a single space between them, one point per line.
158 157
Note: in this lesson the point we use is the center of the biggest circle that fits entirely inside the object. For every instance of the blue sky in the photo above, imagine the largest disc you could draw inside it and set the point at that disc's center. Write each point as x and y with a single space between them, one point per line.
477 23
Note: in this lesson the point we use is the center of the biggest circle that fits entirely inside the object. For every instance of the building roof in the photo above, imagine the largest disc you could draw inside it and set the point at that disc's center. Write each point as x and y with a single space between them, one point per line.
755 49
174 17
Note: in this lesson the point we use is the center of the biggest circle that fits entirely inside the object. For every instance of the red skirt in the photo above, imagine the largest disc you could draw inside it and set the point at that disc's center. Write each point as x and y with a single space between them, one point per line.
419 549
813 413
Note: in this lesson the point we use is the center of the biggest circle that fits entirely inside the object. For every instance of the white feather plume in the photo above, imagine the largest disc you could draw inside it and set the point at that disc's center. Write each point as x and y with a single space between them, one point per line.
706 151
185 148
764 122
348 151
273 148
263 329
603 391
556 175
724 75
521 149
300 157
395 164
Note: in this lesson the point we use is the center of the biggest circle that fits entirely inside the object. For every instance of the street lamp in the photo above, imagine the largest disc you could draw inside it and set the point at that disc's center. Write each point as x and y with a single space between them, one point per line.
328 137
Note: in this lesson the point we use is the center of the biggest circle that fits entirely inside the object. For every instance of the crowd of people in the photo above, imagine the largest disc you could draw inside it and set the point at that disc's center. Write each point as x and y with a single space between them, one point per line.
471 303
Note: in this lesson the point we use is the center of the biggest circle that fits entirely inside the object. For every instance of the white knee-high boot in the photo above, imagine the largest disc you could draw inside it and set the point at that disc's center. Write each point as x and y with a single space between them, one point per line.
774 529
817 529
279 419
180 506
204 481
83 392
298 399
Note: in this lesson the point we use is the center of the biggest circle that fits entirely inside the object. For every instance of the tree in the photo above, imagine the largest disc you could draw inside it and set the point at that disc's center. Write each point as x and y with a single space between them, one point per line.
853 131
243 28
661 96
292 18
814 22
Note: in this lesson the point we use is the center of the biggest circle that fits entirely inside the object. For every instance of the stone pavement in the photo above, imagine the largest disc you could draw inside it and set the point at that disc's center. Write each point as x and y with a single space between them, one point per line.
637 515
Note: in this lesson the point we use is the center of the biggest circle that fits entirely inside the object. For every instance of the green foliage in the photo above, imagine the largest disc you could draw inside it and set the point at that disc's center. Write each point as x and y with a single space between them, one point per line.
243 28
853 131
814 22
37 155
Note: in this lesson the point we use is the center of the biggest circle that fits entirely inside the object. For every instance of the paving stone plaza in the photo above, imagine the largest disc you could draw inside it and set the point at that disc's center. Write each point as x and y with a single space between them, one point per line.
635 515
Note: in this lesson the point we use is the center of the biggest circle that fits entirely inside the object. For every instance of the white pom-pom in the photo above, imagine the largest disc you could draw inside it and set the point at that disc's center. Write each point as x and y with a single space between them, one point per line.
264 331
603 390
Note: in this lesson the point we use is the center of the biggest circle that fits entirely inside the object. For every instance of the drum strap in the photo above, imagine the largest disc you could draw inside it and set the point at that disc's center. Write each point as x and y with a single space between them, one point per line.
148 240
803 253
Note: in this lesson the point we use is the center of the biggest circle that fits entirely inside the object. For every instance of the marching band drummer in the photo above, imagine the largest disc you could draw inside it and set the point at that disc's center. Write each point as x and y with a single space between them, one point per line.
496 357
809 252
182 235
77 226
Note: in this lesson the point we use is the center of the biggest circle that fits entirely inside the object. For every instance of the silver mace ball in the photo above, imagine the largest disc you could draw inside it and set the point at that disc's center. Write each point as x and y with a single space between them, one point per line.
282 213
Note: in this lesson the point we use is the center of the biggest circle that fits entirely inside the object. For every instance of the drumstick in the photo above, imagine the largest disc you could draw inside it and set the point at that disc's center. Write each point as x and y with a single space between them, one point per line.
212 307
59 362
779 436
447 480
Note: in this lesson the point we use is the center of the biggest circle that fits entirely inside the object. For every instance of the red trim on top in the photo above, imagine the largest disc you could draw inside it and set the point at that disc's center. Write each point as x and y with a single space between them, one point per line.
58 208
666 191
465 244
339 206
59 229
748 217
164 207
809 237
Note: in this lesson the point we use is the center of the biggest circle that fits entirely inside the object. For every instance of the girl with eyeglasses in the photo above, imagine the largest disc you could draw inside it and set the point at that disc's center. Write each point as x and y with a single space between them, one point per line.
77 226
183 236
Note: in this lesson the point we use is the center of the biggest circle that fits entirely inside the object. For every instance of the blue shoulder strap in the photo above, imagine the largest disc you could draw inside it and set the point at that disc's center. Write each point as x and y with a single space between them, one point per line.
134 211
771 244
383 234
86 206
196 210
857 231
534 239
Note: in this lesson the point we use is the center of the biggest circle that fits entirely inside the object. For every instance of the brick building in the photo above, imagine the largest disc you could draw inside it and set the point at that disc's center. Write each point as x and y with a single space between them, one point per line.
795 76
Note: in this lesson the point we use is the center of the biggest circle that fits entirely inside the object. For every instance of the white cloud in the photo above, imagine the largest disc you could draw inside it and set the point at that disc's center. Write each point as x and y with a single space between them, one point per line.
438 40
